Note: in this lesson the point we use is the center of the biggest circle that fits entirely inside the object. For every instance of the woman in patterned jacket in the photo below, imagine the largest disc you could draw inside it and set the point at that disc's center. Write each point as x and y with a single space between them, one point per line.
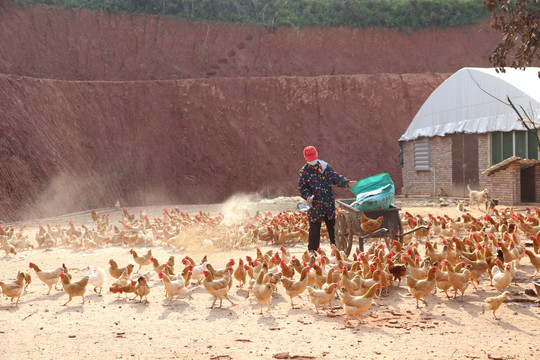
315 185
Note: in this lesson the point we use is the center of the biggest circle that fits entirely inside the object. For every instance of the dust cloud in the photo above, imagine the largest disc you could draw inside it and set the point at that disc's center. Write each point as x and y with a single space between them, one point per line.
238 208
64 194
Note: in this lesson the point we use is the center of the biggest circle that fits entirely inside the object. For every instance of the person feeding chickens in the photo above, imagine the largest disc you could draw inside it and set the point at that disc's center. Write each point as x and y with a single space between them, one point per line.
315 182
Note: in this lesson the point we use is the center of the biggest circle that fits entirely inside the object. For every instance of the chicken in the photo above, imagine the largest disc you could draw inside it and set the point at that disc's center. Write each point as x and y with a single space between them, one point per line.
27 279
159 267
419 289
346 282
535 260
116 286
417 272
286 269
295 288
173 288
198 270
397 271
116 272
321 297
478 268
442 281
50 278
501 280
66 272
356 305
435 255
97 278
9 249
368 225
76 288
217 288
320 278
262 291
240 273
142 290
141 260
459 281
493 303
14 289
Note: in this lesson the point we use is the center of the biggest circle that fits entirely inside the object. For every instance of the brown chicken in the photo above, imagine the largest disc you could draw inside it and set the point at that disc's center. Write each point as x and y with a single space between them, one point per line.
477 269
493 303
141 260
355 305
76 288
159 267
295 288
117 286
459 281
116 272
535 260
142 290
240 273
441 278
49 278
435 255
14 289
27 279
419 289
217 288
262 291
369 225
287 269
397 270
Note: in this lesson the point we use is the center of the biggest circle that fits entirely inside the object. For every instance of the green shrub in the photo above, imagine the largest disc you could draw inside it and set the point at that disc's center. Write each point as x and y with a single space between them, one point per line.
298 13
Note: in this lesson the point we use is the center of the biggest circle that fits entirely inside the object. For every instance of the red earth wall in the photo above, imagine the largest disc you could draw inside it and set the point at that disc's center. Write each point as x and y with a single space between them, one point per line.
231 123
51 42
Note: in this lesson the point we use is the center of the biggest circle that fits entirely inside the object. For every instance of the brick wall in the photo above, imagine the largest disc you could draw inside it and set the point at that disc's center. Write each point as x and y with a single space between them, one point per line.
506 185
429 182
483 160
421 182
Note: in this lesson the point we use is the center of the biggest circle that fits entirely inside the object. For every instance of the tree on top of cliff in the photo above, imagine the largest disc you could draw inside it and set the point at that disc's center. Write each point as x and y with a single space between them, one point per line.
519 22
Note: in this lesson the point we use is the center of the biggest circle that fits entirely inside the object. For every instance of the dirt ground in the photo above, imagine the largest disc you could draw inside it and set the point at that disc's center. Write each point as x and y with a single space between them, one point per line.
41 328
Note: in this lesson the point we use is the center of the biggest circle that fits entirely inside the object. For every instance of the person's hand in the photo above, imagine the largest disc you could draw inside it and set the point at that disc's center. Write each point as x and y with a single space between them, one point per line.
351 183
310 199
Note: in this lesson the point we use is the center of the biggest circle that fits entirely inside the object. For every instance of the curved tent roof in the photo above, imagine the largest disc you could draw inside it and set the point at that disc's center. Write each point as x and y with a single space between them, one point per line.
470 102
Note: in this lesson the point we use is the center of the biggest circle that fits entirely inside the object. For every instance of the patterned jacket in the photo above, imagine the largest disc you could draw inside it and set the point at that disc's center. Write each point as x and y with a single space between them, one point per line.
318 181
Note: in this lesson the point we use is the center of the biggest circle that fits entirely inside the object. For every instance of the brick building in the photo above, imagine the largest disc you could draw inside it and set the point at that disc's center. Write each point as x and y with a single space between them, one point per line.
465 135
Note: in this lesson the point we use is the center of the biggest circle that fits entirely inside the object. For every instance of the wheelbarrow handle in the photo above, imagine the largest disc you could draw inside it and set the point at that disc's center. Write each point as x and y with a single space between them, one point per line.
413 230
375 232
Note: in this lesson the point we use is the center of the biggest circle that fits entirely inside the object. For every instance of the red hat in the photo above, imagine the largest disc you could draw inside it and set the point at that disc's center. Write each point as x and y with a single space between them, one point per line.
310 153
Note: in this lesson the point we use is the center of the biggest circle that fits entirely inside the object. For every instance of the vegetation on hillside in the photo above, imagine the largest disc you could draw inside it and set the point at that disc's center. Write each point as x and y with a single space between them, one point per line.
273 13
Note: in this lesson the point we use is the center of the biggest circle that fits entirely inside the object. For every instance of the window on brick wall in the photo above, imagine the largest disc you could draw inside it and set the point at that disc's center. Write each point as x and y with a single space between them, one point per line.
421 154
515 143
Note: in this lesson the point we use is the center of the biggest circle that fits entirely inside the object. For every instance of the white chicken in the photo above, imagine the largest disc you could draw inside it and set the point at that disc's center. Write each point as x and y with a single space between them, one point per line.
174 288
96 279
198 271
501 280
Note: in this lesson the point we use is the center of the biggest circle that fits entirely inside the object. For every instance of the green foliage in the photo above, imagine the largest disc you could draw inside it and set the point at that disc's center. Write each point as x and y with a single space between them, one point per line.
298 13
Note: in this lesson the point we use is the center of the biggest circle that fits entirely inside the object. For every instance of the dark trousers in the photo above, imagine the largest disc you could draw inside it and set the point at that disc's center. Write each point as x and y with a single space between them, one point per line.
314 238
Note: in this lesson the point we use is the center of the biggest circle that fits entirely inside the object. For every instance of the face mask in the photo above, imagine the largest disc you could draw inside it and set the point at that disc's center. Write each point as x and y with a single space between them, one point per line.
314 162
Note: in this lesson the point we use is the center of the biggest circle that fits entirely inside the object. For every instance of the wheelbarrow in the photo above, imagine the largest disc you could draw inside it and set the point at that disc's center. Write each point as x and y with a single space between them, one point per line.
348 225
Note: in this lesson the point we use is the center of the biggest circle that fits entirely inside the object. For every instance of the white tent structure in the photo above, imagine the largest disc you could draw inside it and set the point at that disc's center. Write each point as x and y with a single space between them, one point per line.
474 100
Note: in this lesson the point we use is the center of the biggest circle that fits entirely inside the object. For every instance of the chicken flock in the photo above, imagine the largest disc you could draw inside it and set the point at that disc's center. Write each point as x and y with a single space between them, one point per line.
454 257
